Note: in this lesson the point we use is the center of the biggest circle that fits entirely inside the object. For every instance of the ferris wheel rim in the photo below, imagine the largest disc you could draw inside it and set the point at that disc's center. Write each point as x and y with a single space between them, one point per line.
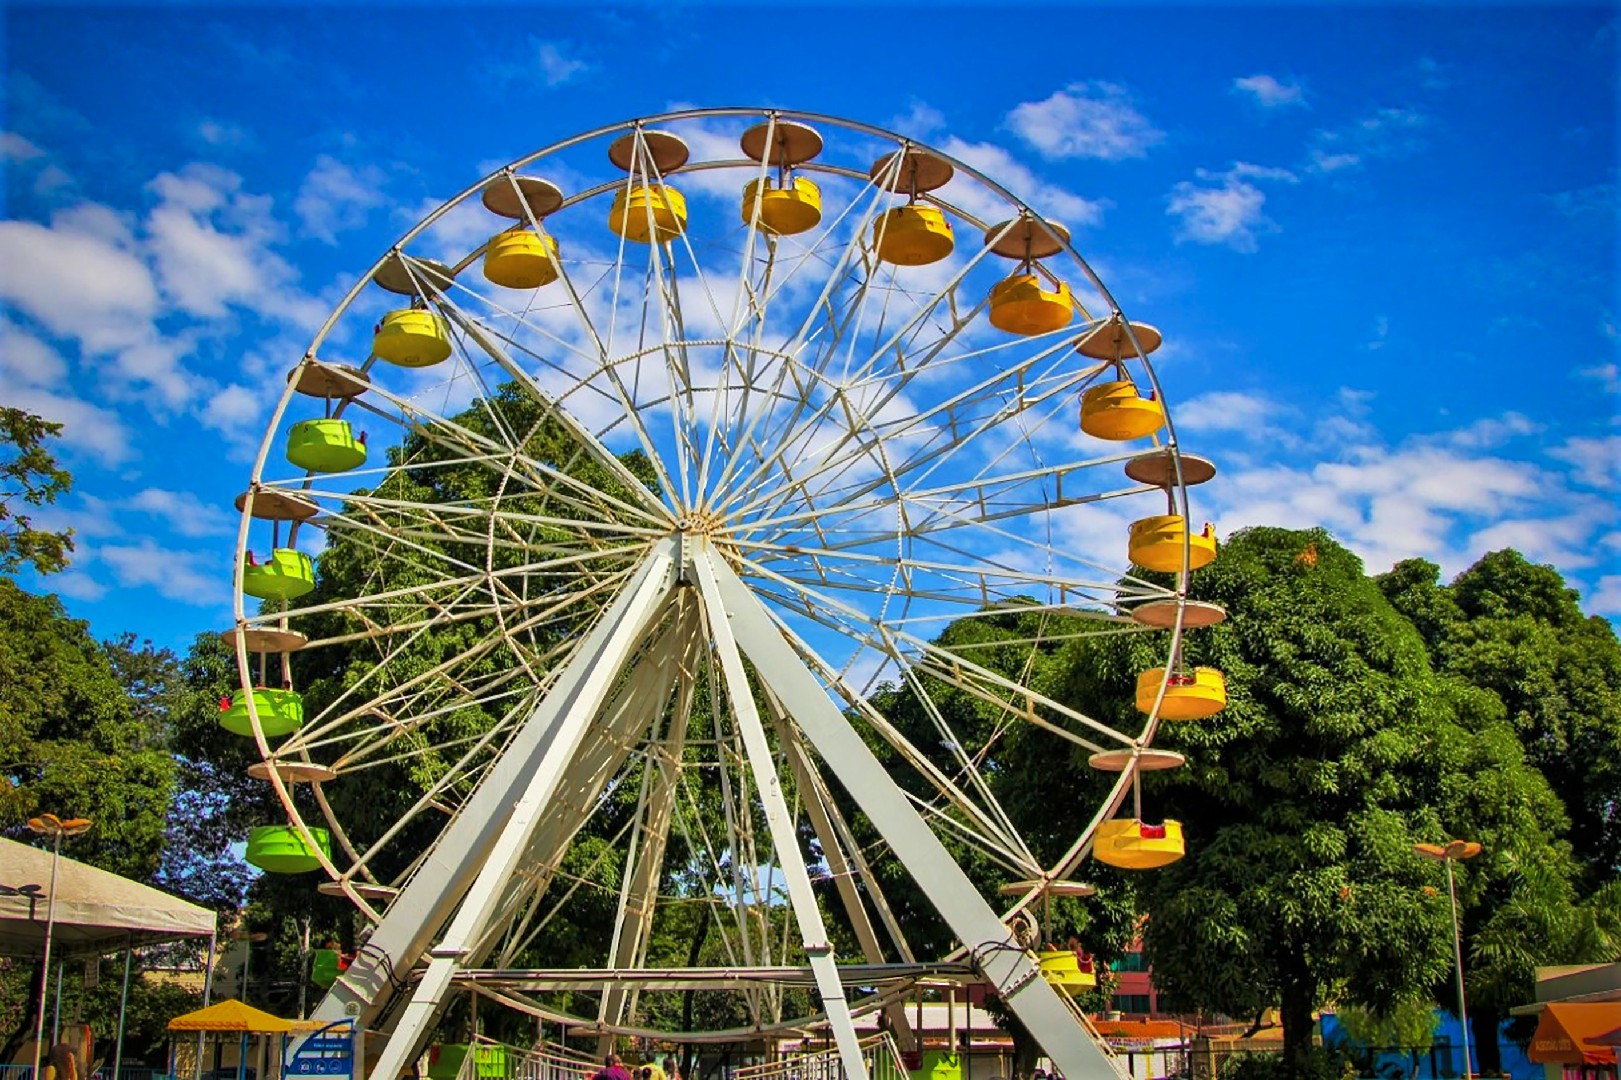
1169 446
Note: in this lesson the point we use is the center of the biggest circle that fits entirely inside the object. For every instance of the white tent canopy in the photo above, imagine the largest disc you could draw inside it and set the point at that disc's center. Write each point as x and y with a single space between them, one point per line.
97 912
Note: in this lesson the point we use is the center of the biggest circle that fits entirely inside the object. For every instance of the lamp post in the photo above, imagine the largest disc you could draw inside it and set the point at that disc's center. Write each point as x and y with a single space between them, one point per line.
54 827
1450 853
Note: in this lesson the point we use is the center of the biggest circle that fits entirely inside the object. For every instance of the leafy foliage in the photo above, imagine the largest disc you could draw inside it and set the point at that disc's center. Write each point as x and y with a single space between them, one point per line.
29 472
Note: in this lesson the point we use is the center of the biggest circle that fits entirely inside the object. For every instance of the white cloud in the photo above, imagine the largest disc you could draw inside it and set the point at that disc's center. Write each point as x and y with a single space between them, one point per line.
1096 120
222 133
28 361
335 198
210 240
1226 207
1607 375
77 584
185 513
1606 596
1387 132
1492 431
1225 410
1048 199
185 576
97 432
1597 460
919 121
14 148
1565 540
547 61
1269 92
78 284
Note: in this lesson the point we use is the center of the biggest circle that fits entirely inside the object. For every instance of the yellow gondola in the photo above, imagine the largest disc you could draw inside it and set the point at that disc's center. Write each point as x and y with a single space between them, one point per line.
1156 543
1133 845
1116 411
412 337
1191 696
795 207
521 259
1019 305
912 236
648 212
1062 968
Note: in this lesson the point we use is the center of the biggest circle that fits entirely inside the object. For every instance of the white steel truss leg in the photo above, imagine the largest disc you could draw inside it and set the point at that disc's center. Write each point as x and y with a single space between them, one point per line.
1009 969
428 899
634 925
577 702
784 836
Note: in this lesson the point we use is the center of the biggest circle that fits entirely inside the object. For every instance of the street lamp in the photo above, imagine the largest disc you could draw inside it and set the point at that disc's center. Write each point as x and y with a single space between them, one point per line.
1450 853
54 827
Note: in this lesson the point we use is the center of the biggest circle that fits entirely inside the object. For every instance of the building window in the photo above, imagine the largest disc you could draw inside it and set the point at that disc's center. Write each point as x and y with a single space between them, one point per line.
1131 1003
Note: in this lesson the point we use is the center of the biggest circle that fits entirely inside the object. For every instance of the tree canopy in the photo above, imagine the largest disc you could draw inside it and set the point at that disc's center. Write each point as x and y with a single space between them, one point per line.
29 474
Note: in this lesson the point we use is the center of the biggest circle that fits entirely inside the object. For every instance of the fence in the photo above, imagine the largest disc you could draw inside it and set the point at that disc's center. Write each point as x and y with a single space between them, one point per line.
126 1072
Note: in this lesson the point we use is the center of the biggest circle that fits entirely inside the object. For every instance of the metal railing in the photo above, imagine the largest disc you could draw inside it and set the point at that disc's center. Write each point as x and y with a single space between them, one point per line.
487 1059
879 1052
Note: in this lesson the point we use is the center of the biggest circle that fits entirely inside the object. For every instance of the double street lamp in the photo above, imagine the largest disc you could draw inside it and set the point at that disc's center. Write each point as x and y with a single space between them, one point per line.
54 827
1450 853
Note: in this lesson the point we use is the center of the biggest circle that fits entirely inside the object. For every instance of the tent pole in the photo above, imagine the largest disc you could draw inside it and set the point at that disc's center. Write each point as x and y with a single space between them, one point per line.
208 990
123 1003
45 961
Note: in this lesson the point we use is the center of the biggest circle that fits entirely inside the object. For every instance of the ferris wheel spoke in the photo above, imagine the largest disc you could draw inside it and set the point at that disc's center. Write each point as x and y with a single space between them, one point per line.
331 719
983 683
986 821
905 373
851 261
599 453
946 427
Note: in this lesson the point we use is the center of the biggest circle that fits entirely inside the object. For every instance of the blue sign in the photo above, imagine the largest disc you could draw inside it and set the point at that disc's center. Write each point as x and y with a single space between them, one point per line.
327 1052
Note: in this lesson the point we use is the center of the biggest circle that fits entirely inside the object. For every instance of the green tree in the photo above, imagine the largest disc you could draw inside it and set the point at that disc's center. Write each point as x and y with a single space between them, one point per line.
1298 801
1409 1025
81 734
1516 629
29 473
73 742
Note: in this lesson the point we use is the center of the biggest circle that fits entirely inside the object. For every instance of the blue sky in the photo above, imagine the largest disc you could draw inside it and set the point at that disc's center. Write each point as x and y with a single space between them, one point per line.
1381 242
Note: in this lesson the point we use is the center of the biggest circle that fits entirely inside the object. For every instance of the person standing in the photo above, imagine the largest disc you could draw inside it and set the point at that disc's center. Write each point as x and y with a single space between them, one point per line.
611 1069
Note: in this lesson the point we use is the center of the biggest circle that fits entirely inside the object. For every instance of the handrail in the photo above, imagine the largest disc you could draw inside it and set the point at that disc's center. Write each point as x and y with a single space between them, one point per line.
878 1051
544 1063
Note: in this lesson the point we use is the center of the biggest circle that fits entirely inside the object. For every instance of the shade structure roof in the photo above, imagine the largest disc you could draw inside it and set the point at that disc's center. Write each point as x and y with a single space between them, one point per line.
1568 1032
96 911
233 1016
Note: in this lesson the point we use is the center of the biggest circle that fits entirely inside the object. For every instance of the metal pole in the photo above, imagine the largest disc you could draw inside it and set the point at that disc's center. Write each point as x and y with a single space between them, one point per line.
56 1016
45 960
123 1003
1457 950
303 969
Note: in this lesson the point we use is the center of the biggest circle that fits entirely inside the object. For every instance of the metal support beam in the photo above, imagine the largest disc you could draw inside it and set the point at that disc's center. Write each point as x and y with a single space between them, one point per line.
578 696
784 835
419 912
1010 969
811 794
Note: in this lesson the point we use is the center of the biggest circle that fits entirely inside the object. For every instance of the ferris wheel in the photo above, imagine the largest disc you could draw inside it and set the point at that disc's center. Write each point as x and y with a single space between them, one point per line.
641 477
